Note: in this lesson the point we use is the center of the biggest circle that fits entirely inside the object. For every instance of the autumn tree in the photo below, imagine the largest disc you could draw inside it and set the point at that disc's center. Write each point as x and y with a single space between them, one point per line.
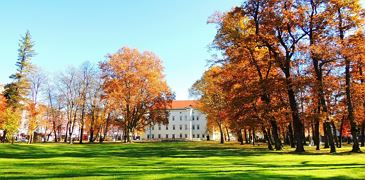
211 99
134 81
348 22
235 28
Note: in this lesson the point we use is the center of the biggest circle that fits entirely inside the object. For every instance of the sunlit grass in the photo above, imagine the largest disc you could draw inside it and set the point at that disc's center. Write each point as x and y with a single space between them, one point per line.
174 160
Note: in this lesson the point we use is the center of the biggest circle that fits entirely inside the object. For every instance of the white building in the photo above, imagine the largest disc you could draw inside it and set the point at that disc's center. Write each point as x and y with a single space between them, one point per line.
185 122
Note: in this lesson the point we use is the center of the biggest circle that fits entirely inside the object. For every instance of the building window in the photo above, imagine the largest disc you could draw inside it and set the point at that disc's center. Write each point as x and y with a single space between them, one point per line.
153 136
159 127
167 127
193 135
153 128
193 127
180 118
180 127
197 135
203 135
173 127
197 118
173 136
167 136
186 136
148 136
197 126
193 117
186 127
159 136
186 118
180 135
173 118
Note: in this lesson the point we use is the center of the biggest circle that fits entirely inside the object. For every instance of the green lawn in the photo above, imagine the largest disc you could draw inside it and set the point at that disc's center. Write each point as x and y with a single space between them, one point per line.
199 160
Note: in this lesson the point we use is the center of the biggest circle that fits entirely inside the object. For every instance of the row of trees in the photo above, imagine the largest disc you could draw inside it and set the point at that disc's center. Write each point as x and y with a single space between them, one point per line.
127 91
287 68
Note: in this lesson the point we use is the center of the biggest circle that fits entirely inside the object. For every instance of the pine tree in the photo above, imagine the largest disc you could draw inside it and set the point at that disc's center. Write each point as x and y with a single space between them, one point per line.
17 90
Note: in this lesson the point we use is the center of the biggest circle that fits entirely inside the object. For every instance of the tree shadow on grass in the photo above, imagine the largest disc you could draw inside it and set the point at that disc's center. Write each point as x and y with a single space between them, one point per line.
146 160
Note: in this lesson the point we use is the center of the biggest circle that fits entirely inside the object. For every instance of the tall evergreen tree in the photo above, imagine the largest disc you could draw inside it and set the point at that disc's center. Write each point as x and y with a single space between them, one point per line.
17 90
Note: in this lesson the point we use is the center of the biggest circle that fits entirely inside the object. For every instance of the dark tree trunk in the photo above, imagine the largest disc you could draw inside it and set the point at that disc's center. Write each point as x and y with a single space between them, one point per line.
81 132
228 136
316 137
66 135
363 134
253 136
82 124
3 139
246 137
326 145
239 136
334 132
330 137
91 130
269 146
341 129
286 138
291 136
106 127
222 134
249 136
297 123
350 110
269 136
277 141
55 132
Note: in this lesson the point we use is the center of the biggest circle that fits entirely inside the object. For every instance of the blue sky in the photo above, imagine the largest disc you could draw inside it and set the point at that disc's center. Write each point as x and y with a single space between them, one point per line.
69 32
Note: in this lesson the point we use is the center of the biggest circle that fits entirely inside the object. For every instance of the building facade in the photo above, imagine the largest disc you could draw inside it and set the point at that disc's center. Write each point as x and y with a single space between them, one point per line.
185 123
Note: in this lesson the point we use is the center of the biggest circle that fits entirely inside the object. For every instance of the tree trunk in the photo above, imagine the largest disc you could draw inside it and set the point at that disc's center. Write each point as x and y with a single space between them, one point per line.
277 141
330 137
269 136
129 140
316 137
228 136
341 129
222 134
253 136
363 134
4 136
67 128
326 145
246 137
91 130
239 136
297 123
269 146
249 136
350 110
291 136
106 127
55 132
334 133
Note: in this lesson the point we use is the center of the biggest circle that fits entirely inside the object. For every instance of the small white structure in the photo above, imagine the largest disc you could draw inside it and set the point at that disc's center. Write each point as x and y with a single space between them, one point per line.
185 123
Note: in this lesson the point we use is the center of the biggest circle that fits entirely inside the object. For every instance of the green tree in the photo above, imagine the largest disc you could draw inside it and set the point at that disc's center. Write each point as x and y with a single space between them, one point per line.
17 90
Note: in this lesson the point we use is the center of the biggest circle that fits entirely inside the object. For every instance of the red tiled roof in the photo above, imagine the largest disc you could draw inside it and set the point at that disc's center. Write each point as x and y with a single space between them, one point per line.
182 104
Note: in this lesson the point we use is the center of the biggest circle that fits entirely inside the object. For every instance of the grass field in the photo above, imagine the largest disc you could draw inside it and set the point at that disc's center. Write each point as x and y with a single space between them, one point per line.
199 160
